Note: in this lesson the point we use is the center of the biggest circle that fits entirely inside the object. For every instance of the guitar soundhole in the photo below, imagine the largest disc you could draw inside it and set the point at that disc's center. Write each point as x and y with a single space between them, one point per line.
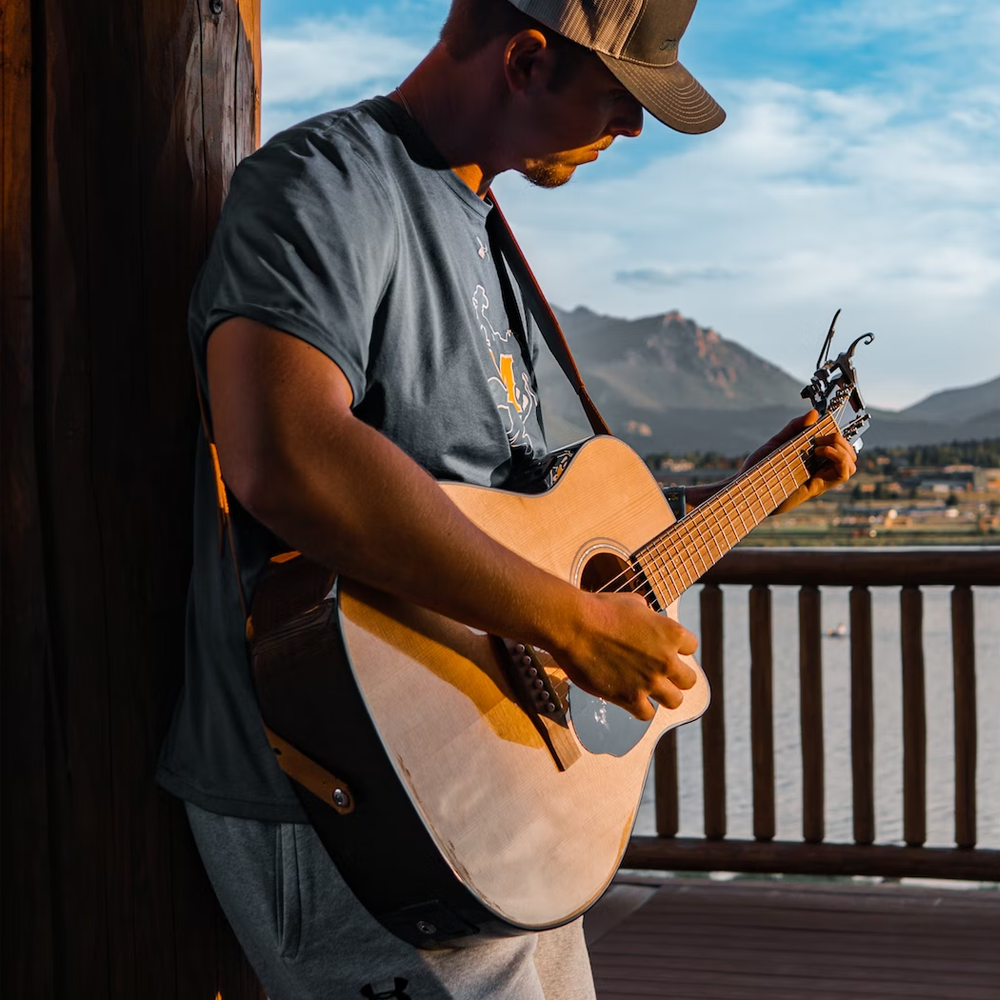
602 569
611 571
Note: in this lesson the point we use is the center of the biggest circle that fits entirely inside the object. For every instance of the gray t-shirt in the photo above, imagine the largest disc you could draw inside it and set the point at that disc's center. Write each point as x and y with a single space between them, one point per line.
349 232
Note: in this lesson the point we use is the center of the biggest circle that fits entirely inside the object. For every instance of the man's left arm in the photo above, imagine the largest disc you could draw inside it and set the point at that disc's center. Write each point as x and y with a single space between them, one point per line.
839 465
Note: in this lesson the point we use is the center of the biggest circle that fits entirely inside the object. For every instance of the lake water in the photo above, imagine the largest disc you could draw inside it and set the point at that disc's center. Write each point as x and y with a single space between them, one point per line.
837 723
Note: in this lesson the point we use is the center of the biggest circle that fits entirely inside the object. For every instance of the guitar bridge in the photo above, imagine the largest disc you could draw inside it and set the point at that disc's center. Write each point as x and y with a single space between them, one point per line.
540 700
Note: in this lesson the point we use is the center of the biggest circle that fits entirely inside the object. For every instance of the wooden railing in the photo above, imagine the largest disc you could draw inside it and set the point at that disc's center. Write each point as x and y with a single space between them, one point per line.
808 569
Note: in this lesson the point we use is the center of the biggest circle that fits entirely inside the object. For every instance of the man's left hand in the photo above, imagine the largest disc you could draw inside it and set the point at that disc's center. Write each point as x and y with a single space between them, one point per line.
839 460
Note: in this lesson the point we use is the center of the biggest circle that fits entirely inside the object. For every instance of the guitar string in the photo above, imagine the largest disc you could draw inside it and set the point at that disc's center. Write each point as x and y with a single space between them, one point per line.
746 497
695 548
698 547
625 580
659 560
673 547
740 489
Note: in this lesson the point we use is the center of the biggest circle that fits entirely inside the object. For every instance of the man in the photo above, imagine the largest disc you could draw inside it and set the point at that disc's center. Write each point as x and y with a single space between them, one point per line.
348 325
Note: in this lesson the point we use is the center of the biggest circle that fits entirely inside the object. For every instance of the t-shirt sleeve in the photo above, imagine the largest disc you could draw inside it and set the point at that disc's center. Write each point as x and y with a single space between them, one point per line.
305 244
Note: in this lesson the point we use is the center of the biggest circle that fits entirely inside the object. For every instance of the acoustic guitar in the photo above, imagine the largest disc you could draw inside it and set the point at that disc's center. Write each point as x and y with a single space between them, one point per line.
461 783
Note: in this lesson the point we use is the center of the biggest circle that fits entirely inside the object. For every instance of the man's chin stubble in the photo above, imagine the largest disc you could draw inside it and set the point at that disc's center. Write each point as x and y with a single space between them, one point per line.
548 175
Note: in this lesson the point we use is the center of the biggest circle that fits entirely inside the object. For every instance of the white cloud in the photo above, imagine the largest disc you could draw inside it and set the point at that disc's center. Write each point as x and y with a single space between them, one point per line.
320 64
665 277
941 27
803 202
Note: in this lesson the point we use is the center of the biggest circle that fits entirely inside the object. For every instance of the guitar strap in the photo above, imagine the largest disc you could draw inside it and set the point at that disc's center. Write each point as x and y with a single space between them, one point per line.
502 238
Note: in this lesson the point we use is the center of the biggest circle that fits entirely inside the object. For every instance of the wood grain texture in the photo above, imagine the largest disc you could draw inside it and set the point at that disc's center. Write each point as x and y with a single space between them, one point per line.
698 939
713 723
862 716
845 567
963 637
26 708
914 717
689 854
106 222
811 713
537 845
762 712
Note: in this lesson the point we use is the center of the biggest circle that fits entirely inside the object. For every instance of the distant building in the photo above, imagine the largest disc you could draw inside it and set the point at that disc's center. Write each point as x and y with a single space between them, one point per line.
988 479
951 478
675 465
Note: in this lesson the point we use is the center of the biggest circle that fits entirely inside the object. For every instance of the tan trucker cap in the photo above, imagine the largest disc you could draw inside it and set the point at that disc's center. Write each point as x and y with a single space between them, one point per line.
637 40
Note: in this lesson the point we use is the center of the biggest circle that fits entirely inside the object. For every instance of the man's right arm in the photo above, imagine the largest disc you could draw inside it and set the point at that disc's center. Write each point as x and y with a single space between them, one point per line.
334 488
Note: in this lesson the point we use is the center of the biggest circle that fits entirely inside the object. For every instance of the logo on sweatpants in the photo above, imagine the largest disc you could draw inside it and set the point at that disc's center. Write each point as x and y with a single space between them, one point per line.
398 992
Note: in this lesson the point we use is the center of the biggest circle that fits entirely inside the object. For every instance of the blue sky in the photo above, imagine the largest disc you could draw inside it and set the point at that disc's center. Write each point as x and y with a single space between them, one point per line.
859 168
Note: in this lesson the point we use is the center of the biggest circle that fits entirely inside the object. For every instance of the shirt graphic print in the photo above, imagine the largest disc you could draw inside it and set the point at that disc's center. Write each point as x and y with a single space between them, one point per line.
515 400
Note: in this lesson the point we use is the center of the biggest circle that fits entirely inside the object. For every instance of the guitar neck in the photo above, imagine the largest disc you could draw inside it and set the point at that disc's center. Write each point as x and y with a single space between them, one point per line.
679 556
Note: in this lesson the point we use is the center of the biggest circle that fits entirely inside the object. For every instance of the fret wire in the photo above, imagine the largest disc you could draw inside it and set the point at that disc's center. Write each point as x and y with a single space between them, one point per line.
770 495
668 556
726 526
698 526
715 550
677 570
696 529
703 542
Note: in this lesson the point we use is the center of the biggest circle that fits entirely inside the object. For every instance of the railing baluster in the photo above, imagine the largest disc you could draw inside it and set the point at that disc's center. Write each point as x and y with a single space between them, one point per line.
713 722
862 716
963 644
665 786
761 712
911 606
811 714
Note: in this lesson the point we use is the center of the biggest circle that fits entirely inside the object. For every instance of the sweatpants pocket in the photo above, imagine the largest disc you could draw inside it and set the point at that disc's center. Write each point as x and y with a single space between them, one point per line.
287 895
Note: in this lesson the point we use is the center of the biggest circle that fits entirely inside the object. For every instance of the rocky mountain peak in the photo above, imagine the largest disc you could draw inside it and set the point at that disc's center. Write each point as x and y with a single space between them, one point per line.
665 382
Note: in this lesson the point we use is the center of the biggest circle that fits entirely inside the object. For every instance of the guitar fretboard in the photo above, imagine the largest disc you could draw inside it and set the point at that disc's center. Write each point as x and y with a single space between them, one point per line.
679 556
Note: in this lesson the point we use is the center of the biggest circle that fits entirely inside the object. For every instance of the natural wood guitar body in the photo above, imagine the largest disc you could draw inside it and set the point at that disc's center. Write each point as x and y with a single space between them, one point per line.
537 845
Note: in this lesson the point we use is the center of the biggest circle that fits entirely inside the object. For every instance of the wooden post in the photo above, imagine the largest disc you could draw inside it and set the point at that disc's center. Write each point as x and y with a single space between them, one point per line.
665 787
811 713
713 722
862 716
121 128
914 717
762 712
963 639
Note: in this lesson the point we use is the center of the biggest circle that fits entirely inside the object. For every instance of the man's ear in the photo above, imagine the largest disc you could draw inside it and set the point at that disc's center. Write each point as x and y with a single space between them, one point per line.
528 60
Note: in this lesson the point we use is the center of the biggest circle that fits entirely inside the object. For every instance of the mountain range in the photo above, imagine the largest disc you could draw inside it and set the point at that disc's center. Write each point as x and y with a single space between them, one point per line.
665 384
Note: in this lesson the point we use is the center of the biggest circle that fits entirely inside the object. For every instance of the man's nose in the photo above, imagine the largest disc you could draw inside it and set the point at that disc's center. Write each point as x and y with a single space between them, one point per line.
628 118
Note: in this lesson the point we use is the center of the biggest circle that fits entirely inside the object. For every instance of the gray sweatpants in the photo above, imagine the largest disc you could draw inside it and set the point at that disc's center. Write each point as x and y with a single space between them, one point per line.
308 938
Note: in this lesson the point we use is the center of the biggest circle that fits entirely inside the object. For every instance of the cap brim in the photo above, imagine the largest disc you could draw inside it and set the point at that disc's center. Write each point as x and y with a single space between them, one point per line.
669 93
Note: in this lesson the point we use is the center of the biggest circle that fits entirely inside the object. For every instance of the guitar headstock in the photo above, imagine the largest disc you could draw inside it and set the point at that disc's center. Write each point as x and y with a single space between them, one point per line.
834 386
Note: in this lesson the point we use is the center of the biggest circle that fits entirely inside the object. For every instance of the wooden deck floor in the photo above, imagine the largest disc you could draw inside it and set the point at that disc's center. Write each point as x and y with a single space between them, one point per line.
753 940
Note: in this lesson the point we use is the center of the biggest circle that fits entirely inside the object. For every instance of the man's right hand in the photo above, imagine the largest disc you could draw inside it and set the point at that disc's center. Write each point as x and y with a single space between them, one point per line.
626 653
